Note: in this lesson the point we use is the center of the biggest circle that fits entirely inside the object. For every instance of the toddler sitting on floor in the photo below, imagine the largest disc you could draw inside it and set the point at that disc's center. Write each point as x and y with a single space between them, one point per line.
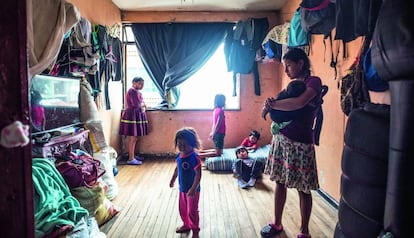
246 169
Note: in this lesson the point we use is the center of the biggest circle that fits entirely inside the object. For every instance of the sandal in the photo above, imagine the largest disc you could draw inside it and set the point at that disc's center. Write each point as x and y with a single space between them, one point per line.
182 229
134 162
270 230
301 235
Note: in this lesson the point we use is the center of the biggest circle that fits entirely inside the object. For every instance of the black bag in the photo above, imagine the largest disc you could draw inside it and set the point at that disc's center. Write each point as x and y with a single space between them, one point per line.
354 93
318 17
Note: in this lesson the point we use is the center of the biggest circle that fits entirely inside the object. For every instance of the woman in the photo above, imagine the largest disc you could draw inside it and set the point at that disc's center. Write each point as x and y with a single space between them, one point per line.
291 162
134 120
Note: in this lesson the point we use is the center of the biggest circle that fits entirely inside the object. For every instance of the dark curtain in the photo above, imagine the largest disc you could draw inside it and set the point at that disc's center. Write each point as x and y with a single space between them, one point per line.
172 52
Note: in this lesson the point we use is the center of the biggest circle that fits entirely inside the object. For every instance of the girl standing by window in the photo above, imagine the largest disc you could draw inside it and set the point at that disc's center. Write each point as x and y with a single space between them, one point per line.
218 130
134 120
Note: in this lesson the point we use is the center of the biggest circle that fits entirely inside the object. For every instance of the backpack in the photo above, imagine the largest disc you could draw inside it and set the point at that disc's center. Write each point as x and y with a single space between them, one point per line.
318 18
297 36
317 128
355 18
80 169
353 89
354 93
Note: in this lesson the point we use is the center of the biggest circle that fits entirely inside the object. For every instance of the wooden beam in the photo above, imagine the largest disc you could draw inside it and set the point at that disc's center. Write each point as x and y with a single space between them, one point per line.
199 16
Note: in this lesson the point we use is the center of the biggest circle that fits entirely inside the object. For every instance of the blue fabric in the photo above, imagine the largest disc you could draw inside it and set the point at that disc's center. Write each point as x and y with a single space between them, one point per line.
186 173
297 36
372 79
273 49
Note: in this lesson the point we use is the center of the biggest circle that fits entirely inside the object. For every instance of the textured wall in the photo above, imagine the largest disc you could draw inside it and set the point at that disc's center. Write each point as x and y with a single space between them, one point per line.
331 144
102 12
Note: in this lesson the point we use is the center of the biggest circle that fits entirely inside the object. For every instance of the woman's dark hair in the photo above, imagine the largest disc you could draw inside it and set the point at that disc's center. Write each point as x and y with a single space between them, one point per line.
255 134
219 100
189 135
137 79
296 55
35 96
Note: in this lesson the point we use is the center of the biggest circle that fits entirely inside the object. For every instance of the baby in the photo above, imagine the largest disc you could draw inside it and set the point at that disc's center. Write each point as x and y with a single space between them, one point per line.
282 118
246 169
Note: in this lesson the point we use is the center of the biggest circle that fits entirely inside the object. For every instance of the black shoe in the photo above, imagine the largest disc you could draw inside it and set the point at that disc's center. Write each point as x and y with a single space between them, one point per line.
270 230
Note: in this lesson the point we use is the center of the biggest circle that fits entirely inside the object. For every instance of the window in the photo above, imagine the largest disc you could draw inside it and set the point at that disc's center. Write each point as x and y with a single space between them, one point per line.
135 68
197 92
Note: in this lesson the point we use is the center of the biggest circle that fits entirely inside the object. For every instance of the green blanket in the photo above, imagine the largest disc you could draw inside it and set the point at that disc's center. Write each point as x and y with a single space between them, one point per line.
54 206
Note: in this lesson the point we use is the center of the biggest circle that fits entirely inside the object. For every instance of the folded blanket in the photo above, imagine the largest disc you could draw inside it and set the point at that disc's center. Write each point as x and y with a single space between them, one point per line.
225 161
54 206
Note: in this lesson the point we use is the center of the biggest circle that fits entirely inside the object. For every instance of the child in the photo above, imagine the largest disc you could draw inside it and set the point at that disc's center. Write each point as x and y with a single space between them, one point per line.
188 170
134 120
250 142
246 169
218 130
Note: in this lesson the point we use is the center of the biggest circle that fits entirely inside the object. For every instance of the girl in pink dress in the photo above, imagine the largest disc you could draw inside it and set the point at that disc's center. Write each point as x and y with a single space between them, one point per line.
134 120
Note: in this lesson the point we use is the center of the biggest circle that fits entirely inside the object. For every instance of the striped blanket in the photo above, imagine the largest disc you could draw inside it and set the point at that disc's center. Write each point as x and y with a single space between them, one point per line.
225 161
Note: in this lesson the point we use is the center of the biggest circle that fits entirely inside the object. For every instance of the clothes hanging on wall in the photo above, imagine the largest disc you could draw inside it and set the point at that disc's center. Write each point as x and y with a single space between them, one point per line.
241 45
90 51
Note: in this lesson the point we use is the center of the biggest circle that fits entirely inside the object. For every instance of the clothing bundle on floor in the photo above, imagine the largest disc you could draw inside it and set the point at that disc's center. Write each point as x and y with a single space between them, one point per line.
54 206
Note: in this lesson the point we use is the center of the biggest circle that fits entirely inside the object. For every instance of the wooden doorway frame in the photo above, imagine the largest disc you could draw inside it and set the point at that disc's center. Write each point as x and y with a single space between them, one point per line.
16 189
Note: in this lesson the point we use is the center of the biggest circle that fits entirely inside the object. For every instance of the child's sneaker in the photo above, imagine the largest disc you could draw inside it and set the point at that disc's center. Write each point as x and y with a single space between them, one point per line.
134 162
241 183
251 182
139 158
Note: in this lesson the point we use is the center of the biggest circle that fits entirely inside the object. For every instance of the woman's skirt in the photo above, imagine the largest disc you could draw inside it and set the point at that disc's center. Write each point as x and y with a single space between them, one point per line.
292 163
134 123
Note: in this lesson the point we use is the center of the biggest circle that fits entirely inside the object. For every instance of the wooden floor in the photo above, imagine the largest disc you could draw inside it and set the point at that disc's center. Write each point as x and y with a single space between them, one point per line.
150 207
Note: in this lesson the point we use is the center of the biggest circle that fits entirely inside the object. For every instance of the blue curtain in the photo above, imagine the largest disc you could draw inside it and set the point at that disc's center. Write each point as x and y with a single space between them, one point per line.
172 52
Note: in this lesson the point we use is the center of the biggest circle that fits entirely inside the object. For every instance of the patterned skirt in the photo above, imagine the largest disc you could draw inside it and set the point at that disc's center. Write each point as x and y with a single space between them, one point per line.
292 163
133 123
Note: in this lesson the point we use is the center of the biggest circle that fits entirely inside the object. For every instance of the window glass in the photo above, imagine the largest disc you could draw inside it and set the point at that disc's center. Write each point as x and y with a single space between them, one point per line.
198 92
135 68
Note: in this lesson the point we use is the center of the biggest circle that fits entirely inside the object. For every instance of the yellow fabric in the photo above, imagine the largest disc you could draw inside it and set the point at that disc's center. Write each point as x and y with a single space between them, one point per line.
93 199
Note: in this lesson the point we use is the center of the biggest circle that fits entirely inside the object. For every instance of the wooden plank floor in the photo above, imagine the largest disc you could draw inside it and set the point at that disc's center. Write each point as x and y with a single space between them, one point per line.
149 207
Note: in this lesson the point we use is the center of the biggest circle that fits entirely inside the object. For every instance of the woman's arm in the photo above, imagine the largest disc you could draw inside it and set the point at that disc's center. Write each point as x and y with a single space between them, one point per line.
290 104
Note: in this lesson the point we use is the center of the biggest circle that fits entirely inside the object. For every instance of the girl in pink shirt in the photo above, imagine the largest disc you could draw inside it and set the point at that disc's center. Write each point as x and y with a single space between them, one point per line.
218 129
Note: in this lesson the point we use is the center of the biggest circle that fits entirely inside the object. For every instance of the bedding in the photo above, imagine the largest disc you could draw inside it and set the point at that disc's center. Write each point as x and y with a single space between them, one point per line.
225 161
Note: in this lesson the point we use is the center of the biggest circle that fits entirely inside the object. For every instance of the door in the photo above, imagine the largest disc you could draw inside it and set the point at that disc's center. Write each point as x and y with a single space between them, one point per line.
16 185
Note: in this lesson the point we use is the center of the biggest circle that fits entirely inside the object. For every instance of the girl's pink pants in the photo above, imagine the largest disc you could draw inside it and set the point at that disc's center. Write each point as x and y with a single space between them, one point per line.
188 206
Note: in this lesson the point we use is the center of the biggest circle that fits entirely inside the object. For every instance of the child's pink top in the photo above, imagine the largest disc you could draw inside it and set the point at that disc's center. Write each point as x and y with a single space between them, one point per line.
38 113
216 113
247 143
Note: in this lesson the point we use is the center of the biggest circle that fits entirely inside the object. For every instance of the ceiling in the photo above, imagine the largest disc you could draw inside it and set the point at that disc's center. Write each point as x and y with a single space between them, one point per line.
199 5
